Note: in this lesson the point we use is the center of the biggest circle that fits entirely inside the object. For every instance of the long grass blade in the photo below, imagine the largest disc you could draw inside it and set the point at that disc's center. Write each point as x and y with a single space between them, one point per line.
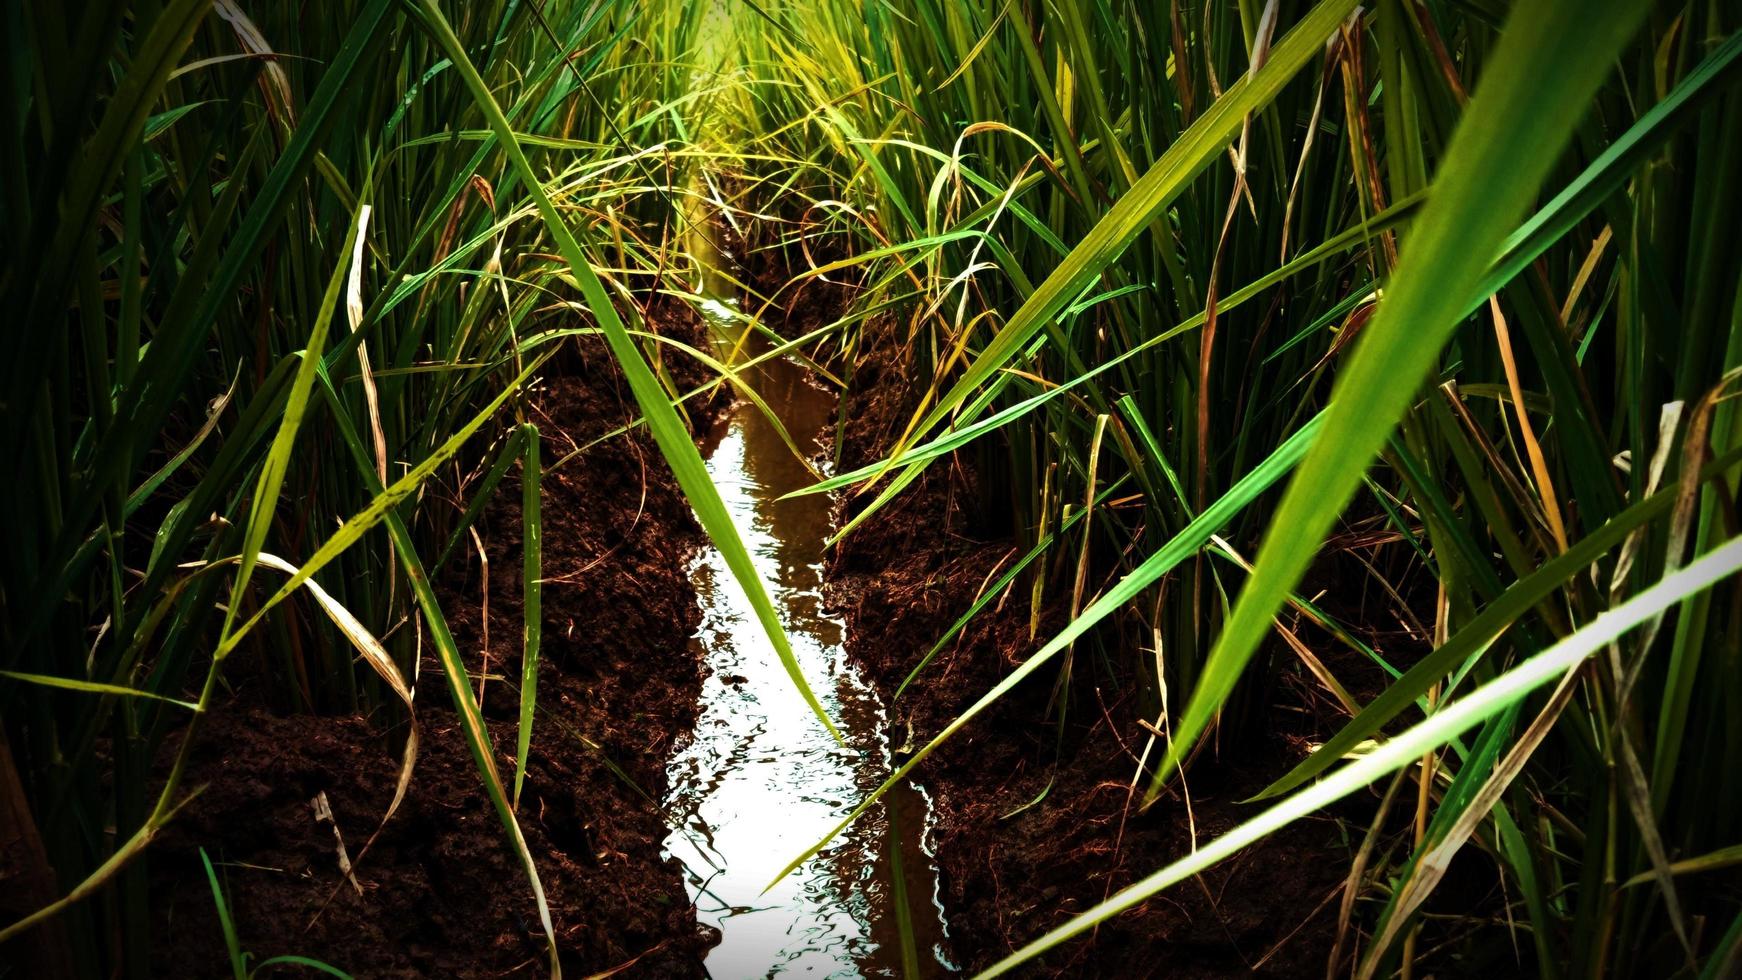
532 603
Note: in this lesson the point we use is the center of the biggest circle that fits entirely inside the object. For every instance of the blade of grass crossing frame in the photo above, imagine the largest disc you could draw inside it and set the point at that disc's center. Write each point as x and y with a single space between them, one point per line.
532 593
232 944
472 719
93 687
1550 60
663 422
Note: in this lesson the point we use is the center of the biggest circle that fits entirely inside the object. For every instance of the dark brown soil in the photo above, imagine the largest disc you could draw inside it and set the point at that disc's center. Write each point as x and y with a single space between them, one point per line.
443 894
900 581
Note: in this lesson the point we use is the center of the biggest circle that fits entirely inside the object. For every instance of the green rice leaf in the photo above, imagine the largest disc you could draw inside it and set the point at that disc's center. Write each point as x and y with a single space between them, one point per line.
532 592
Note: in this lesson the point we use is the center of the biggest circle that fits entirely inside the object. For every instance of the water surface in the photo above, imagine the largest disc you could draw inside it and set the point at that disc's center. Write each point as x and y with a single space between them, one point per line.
762 780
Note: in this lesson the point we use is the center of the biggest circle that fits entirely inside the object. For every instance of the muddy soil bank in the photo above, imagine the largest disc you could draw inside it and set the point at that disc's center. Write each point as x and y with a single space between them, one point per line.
442 892
1012 871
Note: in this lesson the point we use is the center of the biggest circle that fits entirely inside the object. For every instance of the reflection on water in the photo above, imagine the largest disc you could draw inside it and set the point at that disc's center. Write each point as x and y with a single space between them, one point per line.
762 780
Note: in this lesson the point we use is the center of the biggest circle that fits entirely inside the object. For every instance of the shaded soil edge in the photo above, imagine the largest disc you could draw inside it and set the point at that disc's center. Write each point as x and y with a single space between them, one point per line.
442 893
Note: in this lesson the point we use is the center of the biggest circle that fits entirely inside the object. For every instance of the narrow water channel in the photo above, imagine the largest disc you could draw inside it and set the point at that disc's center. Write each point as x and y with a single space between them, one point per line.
762 780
